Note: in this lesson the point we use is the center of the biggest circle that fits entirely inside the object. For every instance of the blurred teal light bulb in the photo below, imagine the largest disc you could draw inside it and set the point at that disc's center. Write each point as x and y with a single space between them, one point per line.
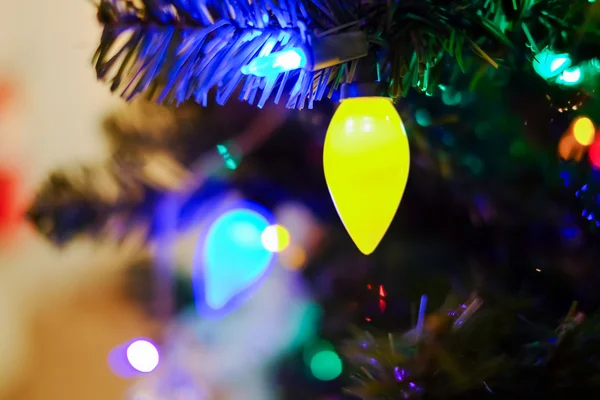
570 77
548 64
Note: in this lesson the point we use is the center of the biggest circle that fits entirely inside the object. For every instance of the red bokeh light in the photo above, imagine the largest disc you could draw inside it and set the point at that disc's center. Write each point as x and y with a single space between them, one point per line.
594 154
10 212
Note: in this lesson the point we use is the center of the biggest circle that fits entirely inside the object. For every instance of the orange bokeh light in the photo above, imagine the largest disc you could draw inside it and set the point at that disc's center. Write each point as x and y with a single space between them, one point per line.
293 257
570 149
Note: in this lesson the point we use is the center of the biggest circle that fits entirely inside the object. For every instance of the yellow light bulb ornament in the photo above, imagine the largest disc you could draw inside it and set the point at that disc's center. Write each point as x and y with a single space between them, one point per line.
366 159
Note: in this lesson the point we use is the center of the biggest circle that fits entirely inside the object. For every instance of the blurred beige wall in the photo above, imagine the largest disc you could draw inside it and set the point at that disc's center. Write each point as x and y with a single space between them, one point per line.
46 47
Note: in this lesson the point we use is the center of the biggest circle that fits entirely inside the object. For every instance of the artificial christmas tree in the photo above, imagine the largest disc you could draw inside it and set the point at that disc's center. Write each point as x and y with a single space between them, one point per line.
497 225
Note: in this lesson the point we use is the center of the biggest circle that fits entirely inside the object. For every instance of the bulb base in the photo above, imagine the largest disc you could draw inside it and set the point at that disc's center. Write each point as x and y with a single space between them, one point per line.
337 49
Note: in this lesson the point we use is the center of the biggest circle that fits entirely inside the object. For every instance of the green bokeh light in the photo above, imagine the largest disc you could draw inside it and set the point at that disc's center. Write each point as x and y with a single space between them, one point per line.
451 97
326 365
230 162
474 164
307 325
518 148
422 117
313 347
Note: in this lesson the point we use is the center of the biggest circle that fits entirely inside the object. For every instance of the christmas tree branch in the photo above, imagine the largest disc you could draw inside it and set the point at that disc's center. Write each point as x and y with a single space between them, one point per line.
175 50
178 50
148 162
493 351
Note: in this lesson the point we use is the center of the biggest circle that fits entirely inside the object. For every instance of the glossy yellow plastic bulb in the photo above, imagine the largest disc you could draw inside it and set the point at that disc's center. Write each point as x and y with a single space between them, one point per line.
366 160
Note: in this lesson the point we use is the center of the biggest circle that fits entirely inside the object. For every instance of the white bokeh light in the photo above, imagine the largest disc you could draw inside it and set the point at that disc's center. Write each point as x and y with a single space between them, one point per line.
269 238
143 356
275 238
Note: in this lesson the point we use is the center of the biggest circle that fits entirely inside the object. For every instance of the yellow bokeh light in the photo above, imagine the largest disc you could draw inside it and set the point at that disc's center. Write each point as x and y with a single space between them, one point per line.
366 160
584 131
275 238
